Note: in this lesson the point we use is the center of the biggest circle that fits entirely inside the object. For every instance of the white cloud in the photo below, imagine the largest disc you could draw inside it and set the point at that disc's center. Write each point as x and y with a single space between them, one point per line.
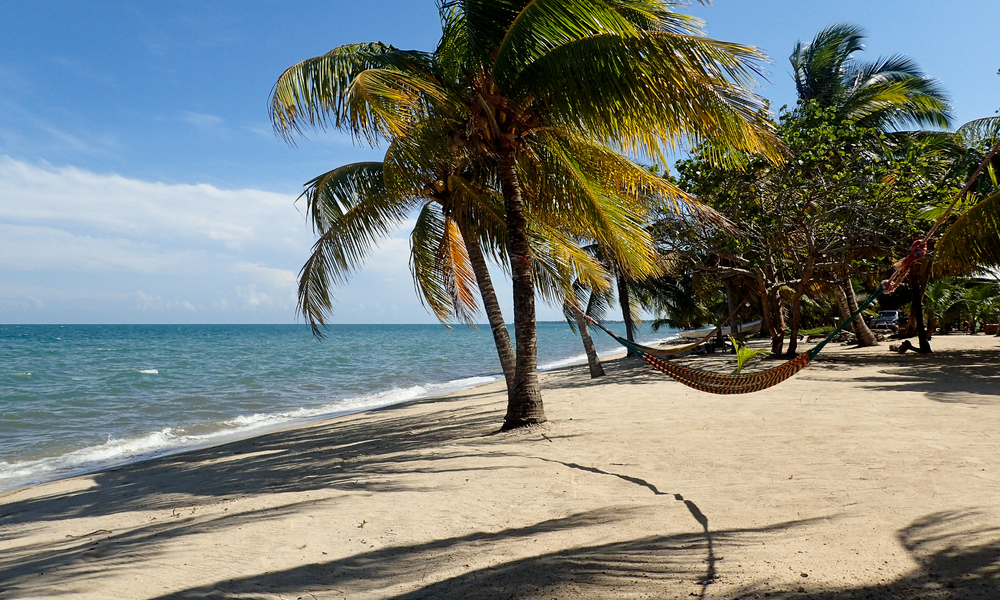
83 247
41 248
201 120
72 238
252 297
279 278
113 205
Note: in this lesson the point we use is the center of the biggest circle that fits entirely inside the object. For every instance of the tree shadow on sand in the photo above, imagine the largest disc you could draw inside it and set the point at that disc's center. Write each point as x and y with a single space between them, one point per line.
957 560
630 567
350 454
958 376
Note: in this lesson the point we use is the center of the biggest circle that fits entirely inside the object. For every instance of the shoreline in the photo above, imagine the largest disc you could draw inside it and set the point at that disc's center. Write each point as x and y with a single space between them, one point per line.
871 473
154 437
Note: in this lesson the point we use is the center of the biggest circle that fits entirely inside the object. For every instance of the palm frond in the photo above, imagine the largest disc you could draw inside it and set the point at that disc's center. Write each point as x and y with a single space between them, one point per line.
440 266
321 92
985 131
972 243
686 88
351 210
818 65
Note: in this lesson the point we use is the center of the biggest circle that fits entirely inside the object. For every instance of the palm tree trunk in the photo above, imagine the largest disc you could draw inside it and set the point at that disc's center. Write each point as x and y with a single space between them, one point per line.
596 368
500 335
917 309
861 331
524 398
844 307
626 304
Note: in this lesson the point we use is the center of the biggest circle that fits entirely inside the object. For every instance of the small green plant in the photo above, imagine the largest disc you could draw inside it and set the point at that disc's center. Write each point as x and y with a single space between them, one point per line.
744 354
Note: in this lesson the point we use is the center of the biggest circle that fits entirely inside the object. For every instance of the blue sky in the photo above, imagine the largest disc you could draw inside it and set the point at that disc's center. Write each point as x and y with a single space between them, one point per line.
140 181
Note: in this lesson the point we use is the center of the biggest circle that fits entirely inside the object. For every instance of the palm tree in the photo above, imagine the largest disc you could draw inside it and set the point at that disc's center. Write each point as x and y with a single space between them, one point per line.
597 302
544 72
884 94
525 86
351 209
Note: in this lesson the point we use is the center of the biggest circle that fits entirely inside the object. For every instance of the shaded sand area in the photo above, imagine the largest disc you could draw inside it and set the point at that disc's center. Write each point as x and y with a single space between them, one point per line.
868 475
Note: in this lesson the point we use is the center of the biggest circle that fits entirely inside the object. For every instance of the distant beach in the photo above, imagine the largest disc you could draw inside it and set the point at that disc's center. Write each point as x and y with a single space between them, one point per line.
867 475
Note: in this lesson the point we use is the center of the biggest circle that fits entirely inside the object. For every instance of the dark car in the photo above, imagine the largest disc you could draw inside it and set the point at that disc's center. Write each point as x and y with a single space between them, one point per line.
888 319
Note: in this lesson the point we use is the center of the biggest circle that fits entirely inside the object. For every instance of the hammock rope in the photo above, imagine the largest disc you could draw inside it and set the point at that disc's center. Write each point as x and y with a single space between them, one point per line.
677 350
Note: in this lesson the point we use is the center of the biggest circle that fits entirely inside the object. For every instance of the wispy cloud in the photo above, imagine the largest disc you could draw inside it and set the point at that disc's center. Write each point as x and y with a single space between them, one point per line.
157 248
202 121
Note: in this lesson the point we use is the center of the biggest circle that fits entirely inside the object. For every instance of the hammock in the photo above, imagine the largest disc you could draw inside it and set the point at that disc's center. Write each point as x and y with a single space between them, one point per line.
744 383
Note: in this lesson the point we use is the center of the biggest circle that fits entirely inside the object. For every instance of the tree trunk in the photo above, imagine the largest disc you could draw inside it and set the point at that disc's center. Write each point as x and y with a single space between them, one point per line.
734 309
500 335
861 330
917 309
793 337
844 308
524 397
596 369
770 306
624 301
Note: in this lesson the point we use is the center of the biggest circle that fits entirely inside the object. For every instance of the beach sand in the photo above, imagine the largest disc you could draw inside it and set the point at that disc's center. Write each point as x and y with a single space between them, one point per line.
867 475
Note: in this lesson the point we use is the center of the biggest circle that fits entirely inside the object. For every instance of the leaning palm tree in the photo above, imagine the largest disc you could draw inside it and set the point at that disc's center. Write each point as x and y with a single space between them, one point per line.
884 94
459 222
352 209
523 85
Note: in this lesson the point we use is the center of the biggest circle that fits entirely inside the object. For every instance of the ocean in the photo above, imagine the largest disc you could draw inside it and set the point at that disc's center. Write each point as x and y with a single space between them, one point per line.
79 398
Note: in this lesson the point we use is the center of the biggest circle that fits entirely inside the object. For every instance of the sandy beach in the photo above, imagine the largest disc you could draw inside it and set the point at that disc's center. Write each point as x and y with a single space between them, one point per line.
867 475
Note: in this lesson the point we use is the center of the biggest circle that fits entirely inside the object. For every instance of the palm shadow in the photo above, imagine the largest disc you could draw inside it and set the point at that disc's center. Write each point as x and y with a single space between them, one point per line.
349 454
645 564
954 376
957 558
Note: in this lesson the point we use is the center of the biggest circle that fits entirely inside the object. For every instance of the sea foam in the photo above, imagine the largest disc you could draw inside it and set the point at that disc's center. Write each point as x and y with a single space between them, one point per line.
169 440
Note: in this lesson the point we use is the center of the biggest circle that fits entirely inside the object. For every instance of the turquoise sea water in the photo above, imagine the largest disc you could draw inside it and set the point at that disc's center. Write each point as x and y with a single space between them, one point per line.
77 398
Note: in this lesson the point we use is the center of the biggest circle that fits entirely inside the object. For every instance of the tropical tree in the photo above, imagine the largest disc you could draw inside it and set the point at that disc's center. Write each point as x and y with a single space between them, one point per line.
885 94
525 86
352 209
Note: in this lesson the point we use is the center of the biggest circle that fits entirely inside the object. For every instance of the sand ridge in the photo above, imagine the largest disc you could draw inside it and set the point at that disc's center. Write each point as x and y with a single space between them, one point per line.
868 474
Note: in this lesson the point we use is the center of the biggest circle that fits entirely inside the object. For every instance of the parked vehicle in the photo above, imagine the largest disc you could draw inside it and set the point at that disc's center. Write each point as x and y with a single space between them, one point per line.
889 319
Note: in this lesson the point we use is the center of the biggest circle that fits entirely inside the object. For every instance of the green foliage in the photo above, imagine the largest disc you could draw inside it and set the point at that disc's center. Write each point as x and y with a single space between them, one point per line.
745 354
824 330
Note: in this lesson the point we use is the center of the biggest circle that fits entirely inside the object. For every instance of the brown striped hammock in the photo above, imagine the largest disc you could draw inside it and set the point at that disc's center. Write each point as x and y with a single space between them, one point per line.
743 383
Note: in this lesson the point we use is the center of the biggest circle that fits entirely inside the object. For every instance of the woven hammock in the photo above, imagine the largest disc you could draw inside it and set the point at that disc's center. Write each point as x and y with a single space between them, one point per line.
744 383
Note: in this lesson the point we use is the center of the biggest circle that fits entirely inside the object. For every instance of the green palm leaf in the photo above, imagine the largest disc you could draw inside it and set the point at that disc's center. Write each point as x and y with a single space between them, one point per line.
972 243
351 210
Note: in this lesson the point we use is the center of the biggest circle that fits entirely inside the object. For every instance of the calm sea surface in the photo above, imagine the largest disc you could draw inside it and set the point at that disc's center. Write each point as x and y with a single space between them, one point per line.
77 398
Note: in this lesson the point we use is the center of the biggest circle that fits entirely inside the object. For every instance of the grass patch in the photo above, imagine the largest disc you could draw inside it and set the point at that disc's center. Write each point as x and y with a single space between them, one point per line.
824 330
